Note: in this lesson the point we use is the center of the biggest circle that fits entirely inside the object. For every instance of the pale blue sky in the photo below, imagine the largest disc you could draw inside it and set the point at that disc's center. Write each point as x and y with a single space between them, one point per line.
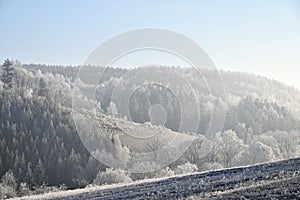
255 36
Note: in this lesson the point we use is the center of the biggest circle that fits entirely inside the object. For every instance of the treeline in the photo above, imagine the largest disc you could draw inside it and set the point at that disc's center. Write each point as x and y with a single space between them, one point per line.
38 141
39 145
259 103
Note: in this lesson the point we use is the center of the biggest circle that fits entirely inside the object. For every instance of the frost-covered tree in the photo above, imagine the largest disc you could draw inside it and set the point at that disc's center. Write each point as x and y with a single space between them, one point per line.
287 142
186 168
153 146
257 152
7 74
8 185
112 109
43 89
229 147
199 151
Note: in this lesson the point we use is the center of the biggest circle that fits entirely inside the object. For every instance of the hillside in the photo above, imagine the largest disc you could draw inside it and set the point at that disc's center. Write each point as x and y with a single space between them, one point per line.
52 130
136 136
271 180
197 92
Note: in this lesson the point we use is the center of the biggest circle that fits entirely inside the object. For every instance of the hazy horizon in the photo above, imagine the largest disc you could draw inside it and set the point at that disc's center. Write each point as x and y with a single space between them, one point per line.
257 37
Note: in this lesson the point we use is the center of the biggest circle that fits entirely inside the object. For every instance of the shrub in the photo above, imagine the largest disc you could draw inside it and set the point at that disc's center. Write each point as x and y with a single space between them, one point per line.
186 168
8 186
209 166
165 172
111 176
24 189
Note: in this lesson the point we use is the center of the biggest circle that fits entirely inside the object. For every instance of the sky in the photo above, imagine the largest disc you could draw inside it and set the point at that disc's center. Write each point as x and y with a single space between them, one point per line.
261 37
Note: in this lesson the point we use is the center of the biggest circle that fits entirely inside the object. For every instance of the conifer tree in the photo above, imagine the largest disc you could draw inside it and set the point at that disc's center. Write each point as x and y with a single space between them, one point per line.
7 74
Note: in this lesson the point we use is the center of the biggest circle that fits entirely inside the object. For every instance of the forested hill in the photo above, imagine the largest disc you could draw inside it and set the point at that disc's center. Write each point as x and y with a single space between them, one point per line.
237 84
39 145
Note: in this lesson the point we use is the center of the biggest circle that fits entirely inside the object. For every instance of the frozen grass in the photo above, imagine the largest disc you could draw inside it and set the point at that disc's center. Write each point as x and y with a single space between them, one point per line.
274 179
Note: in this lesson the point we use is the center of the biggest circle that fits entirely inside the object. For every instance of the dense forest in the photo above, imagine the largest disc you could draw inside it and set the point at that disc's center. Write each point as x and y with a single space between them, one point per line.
40 149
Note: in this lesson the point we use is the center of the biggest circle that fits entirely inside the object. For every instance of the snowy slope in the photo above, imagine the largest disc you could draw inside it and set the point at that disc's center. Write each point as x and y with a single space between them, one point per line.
271 180
134 135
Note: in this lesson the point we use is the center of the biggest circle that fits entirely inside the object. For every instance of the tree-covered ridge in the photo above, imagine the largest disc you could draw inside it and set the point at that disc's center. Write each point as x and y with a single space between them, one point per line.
38 140
39 144
35 140
270 104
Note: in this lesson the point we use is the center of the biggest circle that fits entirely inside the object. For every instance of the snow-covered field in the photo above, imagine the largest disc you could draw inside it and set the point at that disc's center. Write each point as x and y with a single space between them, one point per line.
271 180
